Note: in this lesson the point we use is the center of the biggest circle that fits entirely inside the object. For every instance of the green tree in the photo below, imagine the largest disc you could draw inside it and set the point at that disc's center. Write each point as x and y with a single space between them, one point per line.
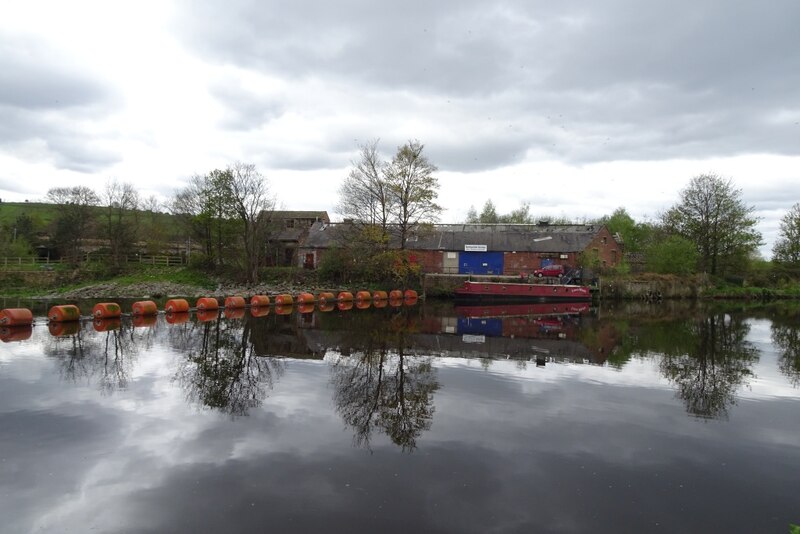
634 235
787 247
712 215
121 222
521 215
413 189
204 209
364 196
671 255
76 214
488 213
253 205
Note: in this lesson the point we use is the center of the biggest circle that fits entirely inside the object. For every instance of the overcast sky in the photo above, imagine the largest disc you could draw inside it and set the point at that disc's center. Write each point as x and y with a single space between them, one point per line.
575 107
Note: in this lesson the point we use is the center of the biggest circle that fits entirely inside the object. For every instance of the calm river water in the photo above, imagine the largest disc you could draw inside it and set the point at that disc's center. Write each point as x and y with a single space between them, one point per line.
635 418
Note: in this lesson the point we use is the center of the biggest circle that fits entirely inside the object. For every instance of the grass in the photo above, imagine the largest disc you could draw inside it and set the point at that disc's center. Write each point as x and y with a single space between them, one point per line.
790 291
17 286
41 213
177 275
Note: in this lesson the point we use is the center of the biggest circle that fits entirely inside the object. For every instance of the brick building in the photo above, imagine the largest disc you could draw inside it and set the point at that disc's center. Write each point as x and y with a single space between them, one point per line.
288 229
507 249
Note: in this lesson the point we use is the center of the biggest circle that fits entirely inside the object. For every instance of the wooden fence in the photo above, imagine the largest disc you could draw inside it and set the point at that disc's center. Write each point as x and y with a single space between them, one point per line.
36 263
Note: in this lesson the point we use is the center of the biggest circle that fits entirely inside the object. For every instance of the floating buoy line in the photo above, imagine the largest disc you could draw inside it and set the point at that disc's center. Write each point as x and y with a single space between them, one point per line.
16 323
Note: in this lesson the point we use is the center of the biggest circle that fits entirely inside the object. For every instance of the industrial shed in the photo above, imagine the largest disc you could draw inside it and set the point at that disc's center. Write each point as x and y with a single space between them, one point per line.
493 249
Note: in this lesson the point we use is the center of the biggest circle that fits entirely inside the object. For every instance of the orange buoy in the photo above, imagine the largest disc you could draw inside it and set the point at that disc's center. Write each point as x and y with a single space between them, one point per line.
259 311
16 317
307 307
19 332
345 305
65 313
409 293
104 324
345 296
234 313
380 295
305 298
395 294
395 302
176 306
106 310
177 317
207 303
144 307
380 303
326 296
259 300
326 306
235 302
363 304
64 329
140 321
363 295
284 300
283 309
410 301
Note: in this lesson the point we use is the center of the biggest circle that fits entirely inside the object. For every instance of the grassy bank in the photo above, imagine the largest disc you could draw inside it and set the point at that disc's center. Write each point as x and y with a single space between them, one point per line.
64 280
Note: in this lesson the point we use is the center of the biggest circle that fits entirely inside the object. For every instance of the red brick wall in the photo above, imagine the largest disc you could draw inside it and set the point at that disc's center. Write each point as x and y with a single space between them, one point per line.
429 260
525 262
608 250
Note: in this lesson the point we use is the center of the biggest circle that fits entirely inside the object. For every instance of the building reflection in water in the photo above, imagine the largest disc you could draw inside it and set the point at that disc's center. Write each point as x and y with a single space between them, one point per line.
382 360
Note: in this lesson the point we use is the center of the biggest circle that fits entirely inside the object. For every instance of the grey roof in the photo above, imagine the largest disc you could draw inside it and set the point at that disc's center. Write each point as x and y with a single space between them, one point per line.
496 237
282 214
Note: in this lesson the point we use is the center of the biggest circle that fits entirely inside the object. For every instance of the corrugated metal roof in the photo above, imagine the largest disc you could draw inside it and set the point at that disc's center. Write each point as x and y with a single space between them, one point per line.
281 215
496 237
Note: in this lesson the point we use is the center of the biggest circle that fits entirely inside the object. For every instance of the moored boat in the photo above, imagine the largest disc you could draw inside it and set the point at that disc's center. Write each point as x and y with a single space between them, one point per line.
521 292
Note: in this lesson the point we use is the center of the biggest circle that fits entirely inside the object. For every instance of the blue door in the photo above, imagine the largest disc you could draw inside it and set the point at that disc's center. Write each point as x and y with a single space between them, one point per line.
480 263
546 261
491 326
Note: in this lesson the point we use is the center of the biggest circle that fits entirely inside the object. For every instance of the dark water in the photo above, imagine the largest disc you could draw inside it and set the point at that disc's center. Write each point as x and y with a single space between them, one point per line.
639 418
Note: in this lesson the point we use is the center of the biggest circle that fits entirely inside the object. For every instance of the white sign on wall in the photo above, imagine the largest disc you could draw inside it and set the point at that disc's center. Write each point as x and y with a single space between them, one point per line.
475 248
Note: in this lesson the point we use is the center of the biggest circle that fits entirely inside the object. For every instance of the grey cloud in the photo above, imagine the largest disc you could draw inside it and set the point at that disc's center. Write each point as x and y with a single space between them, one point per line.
42 101
303 159
409 45
246 109
82 155
68 147
620 80
9 184
31 77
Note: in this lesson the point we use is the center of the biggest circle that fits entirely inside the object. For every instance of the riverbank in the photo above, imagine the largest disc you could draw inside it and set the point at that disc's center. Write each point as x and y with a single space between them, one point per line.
169 282
164 282
646 286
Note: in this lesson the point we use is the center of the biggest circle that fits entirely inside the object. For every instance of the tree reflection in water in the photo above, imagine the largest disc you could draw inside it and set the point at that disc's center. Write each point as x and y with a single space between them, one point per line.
381 384
714 362
105 357
222 369
786 337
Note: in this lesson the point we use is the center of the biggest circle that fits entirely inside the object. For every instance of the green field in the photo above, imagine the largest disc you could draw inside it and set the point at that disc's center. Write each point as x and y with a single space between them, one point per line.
41 214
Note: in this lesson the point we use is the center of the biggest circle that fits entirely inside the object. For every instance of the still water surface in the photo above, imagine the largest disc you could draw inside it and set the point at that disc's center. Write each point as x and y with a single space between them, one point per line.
638 418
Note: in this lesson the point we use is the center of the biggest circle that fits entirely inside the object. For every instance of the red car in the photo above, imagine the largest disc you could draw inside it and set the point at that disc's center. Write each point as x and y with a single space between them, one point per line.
549 270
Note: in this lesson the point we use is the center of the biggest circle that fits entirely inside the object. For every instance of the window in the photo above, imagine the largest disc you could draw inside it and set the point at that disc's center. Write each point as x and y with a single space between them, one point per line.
605 240
289 223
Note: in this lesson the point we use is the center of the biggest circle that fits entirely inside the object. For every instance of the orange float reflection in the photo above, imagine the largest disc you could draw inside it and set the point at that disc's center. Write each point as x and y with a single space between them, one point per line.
15 333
